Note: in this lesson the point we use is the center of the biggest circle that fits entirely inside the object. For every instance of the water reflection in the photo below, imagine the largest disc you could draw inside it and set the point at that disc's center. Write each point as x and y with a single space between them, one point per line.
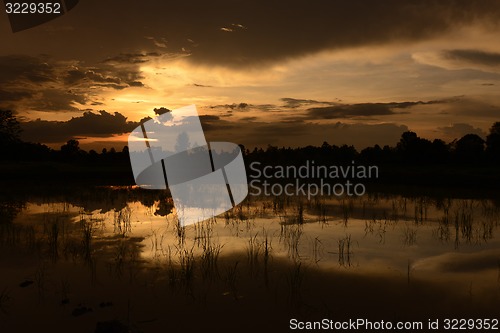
309 254
345 230
9 208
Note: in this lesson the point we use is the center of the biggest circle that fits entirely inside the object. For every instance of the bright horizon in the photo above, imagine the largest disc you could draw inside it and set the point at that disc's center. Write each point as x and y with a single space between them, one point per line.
432 69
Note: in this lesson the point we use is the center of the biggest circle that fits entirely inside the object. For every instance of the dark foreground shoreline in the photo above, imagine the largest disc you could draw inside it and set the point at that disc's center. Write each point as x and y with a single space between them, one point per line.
477 181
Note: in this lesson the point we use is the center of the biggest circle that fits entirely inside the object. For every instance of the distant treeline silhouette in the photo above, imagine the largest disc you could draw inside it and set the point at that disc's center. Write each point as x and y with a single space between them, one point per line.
471 149
469 163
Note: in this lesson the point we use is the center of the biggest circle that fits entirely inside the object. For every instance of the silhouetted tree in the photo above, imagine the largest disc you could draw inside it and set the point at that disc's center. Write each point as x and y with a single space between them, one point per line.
493 142
10 130
243 149
440 151
372 154
413 149
470 148
71 148
182 142
408 141
93 156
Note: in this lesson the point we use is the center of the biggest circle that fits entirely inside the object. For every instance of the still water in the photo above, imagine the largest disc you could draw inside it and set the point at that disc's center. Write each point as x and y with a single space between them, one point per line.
117 255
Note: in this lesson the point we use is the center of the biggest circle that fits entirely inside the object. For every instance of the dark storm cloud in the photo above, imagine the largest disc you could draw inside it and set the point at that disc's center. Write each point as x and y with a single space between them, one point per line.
298 133
18 76
25 68
102 124
107 76
348 111
75 76
209 118
14 95
136 84
201 85
281 29
300 109
473 56
244 107
44 84
255 31
339 111
249 118
57 100
132 58
456 131
235 106
113 86
295 103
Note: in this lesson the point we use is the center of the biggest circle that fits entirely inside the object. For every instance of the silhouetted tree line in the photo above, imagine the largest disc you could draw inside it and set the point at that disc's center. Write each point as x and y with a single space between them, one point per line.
471 149
13 148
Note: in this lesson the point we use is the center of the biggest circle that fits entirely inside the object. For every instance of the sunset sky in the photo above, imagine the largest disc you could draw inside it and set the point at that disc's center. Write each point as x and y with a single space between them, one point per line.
287 73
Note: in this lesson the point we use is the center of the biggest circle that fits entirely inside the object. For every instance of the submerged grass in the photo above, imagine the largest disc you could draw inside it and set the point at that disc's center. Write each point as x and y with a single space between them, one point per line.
345 252
87 232
409 236
290 235
317 250
186 261
254 249
193 260
209 259
295 280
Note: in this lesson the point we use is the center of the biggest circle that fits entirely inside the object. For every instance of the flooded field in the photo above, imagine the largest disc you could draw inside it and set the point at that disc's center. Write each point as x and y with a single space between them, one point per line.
116 260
